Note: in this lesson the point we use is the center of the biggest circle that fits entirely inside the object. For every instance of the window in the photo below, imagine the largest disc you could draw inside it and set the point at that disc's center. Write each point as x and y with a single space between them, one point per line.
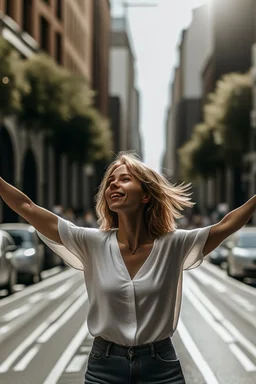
44 34
59 9
9 8
27 16
58 48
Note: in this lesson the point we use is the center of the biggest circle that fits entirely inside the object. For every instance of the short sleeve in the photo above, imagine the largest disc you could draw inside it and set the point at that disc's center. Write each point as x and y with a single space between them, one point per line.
193 242
73 250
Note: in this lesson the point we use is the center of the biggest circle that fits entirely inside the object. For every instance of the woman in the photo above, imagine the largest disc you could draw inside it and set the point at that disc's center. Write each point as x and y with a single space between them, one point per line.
132 267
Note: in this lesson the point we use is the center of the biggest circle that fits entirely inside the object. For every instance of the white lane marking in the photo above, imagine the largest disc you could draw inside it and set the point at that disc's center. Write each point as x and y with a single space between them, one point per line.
240 355
37 287
61 290
61 364
34 309
22 347
243 302
223 275
24 362
218 316
18 322
51 272
218 328
36 297
208 280
76 363
15 313
85 348
39 330
231 303
196 355
63 320
239 337
222 332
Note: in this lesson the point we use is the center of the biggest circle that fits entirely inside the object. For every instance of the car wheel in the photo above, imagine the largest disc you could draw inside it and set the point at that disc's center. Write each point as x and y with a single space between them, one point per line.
239 278
11 281
29 279
37 277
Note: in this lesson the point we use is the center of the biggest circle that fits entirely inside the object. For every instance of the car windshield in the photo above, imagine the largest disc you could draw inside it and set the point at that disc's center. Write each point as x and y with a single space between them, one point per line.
247 240
21 237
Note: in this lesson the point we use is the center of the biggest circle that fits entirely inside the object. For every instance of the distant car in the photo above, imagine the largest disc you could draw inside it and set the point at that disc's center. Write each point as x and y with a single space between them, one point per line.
219 255
51 259
241 261
8 272
29 256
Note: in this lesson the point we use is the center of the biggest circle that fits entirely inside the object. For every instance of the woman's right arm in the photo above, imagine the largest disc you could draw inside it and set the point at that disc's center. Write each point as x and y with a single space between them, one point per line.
43 220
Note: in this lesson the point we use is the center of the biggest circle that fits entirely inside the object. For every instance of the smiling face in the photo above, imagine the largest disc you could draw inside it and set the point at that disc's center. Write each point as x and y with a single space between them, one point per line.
124 191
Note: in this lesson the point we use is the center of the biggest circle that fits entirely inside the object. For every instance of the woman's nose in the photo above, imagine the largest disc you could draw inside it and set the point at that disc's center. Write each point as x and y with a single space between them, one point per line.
113 184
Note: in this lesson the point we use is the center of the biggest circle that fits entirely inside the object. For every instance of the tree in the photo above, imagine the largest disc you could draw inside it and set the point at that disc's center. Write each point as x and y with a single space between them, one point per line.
223 137
12 81
228 113
60 103
85 138
47 97
200 156
44 104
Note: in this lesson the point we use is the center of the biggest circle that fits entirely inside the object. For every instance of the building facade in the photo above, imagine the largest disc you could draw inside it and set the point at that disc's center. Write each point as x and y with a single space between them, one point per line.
122 85
100 58
64 30
186 92
170 166
234 32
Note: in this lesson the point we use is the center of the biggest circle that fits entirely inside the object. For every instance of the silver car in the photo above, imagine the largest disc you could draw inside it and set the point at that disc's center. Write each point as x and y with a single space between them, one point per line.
8 272
29 256
219 255
241 260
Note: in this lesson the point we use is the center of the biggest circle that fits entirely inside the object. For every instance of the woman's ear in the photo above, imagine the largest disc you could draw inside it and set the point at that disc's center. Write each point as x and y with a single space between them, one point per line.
146 199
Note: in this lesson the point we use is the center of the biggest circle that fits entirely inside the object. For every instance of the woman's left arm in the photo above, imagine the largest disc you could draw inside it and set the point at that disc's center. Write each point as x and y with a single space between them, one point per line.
233 221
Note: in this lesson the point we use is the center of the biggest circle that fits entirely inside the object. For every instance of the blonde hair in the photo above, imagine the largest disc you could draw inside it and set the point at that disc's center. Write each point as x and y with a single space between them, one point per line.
166 202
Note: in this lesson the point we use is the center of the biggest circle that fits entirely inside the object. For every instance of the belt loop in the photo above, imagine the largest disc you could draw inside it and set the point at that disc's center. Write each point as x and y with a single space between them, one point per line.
153 351
107 354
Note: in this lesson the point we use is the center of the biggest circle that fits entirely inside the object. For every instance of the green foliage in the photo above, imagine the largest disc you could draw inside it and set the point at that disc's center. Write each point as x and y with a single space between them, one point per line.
44 104
200 156
228 112
101 144
84 138
224 135
47 97
12 82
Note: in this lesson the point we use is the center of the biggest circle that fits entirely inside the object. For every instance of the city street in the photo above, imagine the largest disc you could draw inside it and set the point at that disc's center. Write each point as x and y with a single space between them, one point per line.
44 338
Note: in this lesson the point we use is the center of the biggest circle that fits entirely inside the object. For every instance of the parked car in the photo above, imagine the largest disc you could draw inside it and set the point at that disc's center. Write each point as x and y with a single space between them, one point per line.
51 259
219 255
241 261
29 256
8 272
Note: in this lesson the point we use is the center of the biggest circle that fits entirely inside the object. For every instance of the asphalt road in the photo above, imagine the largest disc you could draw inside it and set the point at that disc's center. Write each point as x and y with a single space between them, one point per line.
44 337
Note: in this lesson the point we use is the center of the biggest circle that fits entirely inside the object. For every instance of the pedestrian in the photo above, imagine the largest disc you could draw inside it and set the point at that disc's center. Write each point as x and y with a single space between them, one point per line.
87 220
132 266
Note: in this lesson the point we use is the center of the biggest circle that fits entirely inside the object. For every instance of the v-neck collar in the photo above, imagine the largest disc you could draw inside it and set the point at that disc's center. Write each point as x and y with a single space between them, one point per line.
116 248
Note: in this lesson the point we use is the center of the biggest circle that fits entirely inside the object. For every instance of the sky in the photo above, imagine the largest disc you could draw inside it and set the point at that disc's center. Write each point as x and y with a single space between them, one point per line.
155 36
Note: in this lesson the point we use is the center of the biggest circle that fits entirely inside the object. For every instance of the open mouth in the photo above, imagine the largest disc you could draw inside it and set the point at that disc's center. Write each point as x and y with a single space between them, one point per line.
115 195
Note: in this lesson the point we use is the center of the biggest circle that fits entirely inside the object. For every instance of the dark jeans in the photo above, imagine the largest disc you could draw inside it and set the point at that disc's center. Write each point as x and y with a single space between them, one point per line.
154 363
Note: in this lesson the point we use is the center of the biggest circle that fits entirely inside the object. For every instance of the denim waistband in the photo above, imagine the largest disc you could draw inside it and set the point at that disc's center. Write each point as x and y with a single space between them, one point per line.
123 350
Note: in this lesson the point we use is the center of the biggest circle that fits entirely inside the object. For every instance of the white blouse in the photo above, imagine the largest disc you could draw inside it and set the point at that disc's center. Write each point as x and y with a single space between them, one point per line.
124 310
